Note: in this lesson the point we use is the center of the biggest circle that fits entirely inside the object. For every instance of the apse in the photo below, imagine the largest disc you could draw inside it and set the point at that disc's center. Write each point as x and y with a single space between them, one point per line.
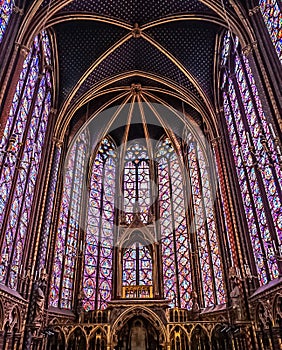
138 205
140 175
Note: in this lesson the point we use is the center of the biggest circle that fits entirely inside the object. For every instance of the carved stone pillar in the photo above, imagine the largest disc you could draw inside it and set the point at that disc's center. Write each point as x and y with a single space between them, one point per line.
8 342
17 340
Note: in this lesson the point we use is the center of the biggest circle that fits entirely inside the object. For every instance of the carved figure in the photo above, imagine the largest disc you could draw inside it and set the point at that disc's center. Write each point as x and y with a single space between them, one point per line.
235 294
39 305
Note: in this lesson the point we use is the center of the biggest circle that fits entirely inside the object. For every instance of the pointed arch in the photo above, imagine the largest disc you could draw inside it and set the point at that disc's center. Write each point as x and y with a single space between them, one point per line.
252 140
67 245
97 276
272 16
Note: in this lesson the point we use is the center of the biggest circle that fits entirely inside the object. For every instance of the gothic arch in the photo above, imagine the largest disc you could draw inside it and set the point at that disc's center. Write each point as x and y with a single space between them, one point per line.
131 312
97 339
36 16
77 337
141 234
199 337
175 327
98 90
261 316
179 338
56 341
220 340
15 318
277 310
96 330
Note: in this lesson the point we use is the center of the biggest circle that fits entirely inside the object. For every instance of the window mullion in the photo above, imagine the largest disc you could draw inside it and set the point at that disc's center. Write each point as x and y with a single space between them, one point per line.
99 235
194 243
28 171
16 176
205 223
255 161
137 264
68 224
254 103
247 173
174 235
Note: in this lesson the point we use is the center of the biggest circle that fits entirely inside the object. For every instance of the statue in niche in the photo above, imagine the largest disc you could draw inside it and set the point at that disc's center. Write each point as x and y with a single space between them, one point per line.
80 308
235 294
138 336
195 305
39 291
39 304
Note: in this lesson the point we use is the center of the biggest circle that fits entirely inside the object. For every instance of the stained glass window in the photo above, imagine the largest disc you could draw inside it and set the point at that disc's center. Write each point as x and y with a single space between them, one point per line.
20 158
272 16
6 7
62 279
174 233
259 174
176 238
204 221
48 214
137 266
136 182
97 281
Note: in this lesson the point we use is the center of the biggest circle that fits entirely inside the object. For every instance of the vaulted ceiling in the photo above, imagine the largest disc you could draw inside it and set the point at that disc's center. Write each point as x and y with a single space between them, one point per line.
167 46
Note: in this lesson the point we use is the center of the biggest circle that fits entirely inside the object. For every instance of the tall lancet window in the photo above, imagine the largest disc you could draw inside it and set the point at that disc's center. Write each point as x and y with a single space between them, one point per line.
204 227
66 250
97 279
5 14
136 183
20 157
256 158
272 15
175 237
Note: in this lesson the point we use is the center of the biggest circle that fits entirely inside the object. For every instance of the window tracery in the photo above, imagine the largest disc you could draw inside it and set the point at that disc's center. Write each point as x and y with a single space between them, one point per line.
177 235
272 16
137 266
97 280
205 225
22 146
137 260
174 233
136 182
62 279
256 159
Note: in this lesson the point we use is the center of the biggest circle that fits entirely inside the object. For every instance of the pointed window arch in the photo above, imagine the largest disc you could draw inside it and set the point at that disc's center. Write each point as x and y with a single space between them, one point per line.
97 279
204 222
66 249
187 226
174 232
272 16
256 159
21 153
